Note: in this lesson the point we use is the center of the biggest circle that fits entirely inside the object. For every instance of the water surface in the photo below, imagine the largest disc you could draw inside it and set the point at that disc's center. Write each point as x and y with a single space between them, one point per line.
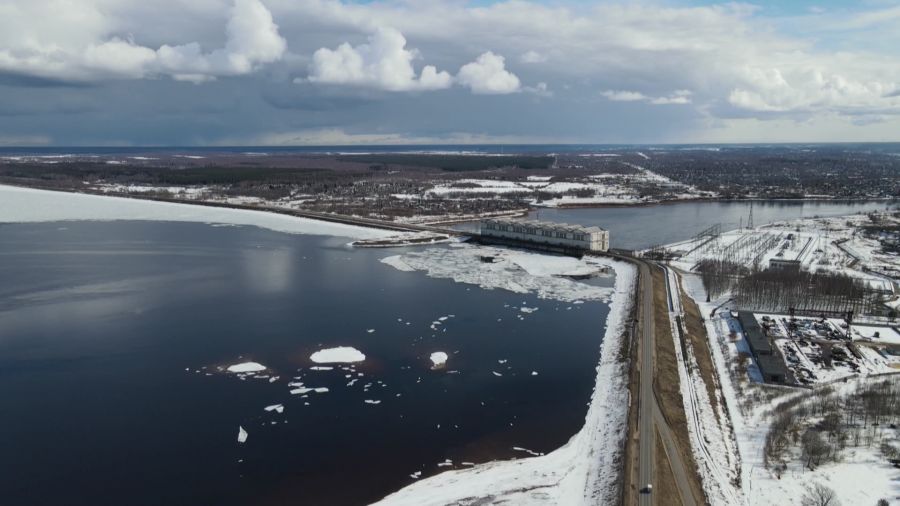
107 332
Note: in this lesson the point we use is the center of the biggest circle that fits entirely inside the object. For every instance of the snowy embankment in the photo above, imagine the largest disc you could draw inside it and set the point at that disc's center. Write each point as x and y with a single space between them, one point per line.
516 271
582 472
712 441
27 205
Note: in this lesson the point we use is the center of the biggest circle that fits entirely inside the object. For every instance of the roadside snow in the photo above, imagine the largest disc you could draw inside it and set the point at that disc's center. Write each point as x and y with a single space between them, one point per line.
26 205
339 355
582 472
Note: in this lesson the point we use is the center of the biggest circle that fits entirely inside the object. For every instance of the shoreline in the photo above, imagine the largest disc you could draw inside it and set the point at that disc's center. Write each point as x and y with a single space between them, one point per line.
434 226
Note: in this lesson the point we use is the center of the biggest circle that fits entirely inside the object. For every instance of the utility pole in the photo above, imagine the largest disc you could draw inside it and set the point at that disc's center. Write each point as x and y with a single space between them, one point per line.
750 220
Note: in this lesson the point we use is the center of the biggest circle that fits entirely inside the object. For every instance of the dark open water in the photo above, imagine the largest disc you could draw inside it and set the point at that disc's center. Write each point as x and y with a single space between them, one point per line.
98 322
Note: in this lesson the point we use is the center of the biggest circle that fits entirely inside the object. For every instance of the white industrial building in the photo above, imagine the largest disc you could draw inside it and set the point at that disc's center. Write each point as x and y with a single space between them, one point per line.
543 232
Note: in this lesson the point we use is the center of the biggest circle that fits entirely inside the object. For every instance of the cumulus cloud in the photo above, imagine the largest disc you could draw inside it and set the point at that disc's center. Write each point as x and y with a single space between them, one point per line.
678 97
809 89
383 63
488 75
45 48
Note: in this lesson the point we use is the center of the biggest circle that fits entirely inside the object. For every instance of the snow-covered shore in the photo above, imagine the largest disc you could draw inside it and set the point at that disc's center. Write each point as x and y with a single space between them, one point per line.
582 472
27 205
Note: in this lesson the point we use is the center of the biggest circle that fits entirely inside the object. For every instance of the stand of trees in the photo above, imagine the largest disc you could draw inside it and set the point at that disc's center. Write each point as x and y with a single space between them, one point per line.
825 422
774 290
777 290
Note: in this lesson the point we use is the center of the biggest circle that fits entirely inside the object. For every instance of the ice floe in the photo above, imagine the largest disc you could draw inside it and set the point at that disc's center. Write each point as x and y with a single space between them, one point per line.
438 359
278 408
242 435
246 367
338 355
27 205
465 264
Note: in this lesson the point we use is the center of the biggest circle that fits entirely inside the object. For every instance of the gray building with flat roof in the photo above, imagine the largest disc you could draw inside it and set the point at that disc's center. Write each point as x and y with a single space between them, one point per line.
768 359
548 233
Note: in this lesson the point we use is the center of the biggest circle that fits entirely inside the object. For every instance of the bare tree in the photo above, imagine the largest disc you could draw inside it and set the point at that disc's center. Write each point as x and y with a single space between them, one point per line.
820 495
814 447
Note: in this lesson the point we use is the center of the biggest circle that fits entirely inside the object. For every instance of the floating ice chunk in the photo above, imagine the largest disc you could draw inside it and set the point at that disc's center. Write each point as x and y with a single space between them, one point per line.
306 390
526 450
416 475
242 435
340 354
246 367
528 309
371 401
278 408
445 463
496 373
321 368
443 318
438 359
502 361
534 373
370 331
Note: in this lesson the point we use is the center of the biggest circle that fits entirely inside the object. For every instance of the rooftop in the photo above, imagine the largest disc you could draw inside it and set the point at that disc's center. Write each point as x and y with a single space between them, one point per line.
545 224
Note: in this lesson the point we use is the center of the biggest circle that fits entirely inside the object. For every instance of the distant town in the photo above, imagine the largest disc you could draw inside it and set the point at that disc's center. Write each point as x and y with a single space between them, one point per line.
429 187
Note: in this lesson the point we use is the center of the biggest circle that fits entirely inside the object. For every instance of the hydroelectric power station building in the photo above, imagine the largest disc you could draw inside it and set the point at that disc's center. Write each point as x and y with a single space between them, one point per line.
574 237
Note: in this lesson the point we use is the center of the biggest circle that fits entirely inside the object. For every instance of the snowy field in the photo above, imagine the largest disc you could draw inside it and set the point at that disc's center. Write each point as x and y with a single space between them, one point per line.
592 189
584 470
26 205
819 244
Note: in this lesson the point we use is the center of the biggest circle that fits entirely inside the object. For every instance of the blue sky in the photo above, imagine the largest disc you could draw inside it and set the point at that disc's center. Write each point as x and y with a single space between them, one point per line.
208 72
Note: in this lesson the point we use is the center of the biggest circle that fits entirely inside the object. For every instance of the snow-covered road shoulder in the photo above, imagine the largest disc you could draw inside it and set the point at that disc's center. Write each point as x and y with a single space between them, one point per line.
585 470
28 205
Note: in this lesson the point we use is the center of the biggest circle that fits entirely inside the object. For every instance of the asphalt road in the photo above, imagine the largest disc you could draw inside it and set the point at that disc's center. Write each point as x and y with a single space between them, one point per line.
650 417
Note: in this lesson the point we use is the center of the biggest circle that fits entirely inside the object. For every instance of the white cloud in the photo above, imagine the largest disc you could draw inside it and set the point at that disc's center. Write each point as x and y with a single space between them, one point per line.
383 63
808 89
679 97
339 137
61 40
488 75
623 96
532 56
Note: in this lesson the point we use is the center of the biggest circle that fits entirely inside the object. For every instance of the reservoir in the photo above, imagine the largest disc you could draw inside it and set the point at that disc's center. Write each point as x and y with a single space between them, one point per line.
113 336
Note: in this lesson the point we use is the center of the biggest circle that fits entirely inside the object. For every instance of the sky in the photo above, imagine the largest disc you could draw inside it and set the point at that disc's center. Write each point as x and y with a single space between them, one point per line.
333 72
